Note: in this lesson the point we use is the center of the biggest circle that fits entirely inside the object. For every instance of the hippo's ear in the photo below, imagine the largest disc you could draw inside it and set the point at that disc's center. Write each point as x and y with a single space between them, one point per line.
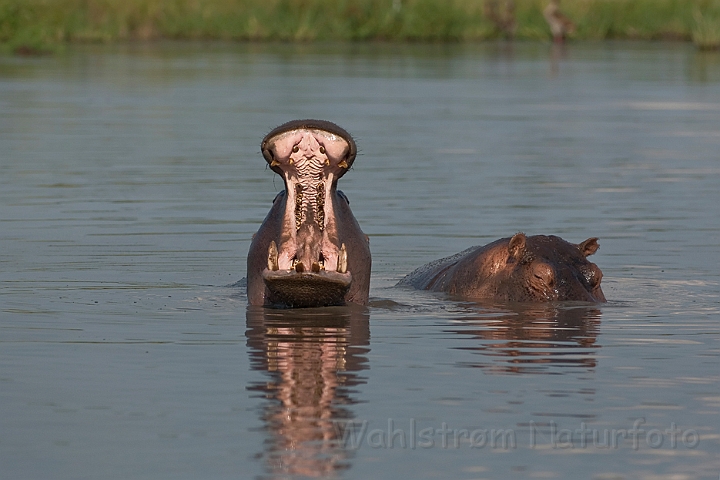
516 247
589 246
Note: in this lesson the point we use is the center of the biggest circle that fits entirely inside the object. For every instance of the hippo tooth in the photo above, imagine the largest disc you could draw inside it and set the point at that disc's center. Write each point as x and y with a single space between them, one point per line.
343 164
299 267
342 260
273 257
315 267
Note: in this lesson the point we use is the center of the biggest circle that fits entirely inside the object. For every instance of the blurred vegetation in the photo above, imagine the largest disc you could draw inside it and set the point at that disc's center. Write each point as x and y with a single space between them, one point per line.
28 26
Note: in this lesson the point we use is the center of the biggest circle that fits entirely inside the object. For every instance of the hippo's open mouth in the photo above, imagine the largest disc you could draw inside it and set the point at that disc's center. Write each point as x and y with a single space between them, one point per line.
297 287
308 265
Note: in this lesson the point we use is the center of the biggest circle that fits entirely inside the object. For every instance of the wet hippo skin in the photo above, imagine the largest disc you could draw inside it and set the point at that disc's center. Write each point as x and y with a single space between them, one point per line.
538 268
309 250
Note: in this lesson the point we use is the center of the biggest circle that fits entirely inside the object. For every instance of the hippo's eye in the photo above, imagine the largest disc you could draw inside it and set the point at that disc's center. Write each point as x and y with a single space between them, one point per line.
295 149
322 149
544 273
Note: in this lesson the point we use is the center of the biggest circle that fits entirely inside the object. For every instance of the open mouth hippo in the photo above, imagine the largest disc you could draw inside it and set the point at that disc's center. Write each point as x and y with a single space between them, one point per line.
538 268
310 250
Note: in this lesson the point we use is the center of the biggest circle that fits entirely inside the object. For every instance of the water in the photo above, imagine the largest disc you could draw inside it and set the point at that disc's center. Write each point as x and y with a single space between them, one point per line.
131 183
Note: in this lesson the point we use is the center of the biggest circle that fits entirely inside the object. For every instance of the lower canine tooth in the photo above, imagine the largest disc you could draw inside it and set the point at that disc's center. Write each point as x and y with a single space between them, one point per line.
342 260
273 257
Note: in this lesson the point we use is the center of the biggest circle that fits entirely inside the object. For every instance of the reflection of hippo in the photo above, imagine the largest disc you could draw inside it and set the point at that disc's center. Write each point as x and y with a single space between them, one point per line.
310 250
518 269
312 360
530 338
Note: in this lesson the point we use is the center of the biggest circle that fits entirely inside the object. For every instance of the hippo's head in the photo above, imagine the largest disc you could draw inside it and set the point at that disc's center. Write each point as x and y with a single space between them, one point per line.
548 268
313 248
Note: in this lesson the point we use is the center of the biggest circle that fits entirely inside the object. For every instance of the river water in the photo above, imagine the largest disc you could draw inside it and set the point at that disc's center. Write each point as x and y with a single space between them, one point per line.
131 184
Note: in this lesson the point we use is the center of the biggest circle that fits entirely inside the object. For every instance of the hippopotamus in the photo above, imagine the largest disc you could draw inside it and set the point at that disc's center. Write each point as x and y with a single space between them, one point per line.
537 268
309 250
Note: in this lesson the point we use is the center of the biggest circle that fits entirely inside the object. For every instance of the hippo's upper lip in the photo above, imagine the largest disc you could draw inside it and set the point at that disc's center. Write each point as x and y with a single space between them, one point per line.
309 125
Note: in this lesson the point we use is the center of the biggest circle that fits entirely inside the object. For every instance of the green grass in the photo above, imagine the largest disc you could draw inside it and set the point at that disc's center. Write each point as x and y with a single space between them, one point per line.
706 29
39 25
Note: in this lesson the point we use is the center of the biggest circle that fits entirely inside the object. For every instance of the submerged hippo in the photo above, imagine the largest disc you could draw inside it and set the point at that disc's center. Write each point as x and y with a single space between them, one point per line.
309 251
539 268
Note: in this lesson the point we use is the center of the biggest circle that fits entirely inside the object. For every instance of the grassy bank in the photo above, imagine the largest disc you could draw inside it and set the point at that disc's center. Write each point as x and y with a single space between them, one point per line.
33 25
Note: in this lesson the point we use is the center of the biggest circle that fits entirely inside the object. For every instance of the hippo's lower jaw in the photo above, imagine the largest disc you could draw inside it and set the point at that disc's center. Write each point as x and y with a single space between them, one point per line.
295 286
306 289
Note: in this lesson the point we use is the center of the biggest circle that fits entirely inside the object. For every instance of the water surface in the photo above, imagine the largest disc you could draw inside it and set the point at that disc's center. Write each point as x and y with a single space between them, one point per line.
131 184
